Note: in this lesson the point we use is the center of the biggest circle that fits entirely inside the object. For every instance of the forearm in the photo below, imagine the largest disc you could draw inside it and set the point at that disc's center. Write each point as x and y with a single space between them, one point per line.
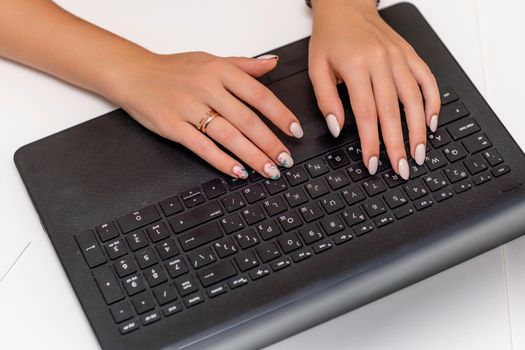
40 34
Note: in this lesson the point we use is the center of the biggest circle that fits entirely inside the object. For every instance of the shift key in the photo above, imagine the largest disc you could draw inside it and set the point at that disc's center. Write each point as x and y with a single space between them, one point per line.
199 215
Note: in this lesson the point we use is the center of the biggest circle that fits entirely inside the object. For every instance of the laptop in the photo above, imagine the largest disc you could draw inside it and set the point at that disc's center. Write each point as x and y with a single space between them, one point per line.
165 252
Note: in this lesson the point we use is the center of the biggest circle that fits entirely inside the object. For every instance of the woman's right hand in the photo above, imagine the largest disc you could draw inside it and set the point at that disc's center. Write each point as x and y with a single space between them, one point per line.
171 94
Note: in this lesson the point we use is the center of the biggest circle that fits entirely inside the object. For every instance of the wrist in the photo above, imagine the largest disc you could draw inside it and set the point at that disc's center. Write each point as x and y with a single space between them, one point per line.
363 6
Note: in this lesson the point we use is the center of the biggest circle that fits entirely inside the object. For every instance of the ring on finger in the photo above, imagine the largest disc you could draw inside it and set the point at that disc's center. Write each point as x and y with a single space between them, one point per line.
206 120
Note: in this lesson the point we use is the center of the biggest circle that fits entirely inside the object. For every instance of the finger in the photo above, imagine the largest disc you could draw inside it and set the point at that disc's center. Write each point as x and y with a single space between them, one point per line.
324 83
259 96
388 112
412 100
249 124
205 148
254 66
223 132
363 105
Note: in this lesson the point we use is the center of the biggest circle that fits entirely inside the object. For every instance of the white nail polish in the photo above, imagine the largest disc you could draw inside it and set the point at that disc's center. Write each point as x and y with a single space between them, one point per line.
372 165
420 154
268 57
285 160
333 125
296 130
271 171
402 166
240 172
434 123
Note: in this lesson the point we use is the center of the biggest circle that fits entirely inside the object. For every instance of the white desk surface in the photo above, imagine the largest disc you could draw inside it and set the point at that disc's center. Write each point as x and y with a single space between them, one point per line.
479 304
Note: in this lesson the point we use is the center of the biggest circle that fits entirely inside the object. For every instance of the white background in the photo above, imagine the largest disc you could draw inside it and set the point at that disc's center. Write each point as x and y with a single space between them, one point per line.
479 304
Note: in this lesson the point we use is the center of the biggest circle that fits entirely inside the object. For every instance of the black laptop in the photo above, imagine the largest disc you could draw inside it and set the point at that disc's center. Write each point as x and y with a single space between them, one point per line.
165 252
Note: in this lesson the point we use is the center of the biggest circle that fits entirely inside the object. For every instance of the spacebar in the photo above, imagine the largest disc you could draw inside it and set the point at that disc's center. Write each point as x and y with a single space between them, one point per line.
199 215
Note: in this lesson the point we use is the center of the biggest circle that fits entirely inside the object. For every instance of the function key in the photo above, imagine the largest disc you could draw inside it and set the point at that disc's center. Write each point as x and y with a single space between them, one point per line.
138 218
213 188
337 159
343 237
423 203
481 178
452 112
477 143
403 211
171 206
463 127
280 264
493 157
90 248
316 167
500 170
158 232
354 151
192 197
259 273
383 220
448 95
443 194
439 138
455 151
107 231
296 176
301 255
322 246
462 186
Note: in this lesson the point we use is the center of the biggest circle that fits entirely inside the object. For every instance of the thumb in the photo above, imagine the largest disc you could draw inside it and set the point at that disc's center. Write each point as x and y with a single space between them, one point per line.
255 66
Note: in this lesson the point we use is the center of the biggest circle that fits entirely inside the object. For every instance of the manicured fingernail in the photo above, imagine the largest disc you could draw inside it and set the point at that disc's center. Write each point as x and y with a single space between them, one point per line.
420 153
268 57
434 123
402 167
372 165
240 172
285 160
271 171
296 130
333 125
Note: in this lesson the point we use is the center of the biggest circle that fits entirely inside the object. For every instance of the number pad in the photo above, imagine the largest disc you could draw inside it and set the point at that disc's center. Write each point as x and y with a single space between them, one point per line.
125 265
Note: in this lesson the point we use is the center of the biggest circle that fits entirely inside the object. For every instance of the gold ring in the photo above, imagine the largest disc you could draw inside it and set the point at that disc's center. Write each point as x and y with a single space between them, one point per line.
206 120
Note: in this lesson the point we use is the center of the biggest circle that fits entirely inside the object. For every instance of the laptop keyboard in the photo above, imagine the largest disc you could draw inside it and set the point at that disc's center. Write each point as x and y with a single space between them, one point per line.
175 255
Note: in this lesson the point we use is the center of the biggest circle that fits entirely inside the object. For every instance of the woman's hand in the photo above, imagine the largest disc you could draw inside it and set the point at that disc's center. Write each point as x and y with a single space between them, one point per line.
171 94
351 43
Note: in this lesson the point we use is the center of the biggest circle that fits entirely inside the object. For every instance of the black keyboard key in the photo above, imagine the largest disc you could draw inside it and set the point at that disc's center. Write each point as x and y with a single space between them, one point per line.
192 198
395 198
158 232
443 194
452 112
213 188
165 294
199 236
280 264
116 248
301 255
337 179
259 273
125 266
137 240
481 178
199 215
121 311
254 193
171 206
108 284
167 249
415 189
138 219
316 167
462 128
374 207
332 203
253 214
383 220
353 215
134 284
232 223
247 238
448 95
289 242
435 181
332 224
358 171
275 186
475 164
462 186
435 160
176 267
107 231
337 159
172 309
476 143
289 220
311 212
439 138
146 258
150 317
374 185
415 169
455 151
143 303
317 188
268 251
392 179
268 229
353 194
90 248
295 196
403 211
423 203
193 300
225 247
296 176
234 182
233 202
455 172
500 170
354 151
237 281
274 206
343 237
216 290
216 273
201 257
322 246
186 285
493 157
246 260
155 275
311 233
383 162
128 327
